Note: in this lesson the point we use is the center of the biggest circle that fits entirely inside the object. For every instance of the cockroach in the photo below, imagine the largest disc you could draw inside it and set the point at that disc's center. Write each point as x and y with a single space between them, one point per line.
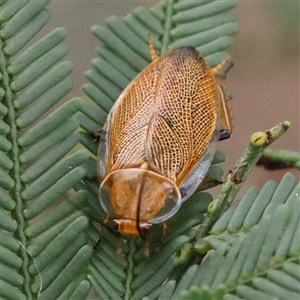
160 138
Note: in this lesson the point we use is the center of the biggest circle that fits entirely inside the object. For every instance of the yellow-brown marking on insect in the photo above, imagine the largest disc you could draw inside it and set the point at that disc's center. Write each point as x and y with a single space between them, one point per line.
152 51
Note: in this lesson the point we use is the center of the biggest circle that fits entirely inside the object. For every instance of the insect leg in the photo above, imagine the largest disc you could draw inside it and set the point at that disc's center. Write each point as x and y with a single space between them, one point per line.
146 250
103 227
224 109
220 66
95 135
165 227
225 115
95 247
230 65
153 54
222 76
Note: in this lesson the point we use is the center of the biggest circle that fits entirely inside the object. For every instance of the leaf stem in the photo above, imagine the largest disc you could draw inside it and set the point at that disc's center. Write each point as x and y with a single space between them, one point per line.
15 174
168 26
131 265
235 178
279 159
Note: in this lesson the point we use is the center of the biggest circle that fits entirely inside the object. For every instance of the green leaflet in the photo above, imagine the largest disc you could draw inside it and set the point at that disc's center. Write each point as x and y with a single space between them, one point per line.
32 82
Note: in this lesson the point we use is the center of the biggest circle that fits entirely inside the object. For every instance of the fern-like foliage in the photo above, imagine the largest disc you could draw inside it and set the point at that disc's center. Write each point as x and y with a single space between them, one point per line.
33 172
257 248
46 243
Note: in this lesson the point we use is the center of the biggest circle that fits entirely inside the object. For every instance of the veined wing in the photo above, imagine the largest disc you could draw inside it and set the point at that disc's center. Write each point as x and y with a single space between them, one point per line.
129 119
184 116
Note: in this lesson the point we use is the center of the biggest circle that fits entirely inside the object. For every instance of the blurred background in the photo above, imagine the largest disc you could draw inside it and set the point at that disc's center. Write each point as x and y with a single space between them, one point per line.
264 82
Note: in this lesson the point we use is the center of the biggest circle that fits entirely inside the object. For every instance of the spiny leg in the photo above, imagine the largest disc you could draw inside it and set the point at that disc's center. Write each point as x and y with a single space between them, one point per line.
224 109
221 65
105 226
225 115
95 135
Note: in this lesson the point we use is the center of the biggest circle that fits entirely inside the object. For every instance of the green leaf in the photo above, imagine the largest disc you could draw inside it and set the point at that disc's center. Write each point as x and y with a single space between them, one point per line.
280 159
257 261
34 143
48 172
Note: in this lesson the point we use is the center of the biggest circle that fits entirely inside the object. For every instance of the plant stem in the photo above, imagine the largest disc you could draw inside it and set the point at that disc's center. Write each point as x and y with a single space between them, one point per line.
235 178
279 159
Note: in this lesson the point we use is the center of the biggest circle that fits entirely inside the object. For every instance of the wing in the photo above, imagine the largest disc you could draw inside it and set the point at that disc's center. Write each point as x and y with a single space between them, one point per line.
128 120
185 114
166 116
